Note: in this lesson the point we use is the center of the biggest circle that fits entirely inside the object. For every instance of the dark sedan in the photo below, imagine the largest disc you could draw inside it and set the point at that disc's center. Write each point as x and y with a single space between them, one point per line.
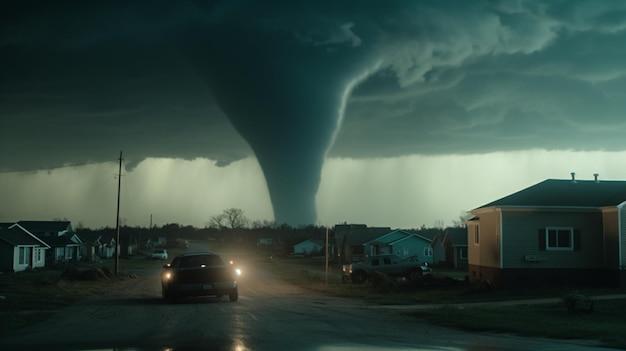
199 274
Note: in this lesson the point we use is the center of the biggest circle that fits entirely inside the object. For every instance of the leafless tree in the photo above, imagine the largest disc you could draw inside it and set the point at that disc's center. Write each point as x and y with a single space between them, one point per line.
463 217
232 218
217 221
235 218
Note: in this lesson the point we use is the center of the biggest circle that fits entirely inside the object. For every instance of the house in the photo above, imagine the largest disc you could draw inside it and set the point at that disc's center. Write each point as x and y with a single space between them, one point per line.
20 250
129 244
450 248
65 245
264 242
402 244
564 231
105 245
156 240
308 247
349 240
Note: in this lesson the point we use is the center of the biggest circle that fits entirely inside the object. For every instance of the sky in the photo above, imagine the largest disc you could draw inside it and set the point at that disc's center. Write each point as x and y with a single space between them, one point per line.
389 113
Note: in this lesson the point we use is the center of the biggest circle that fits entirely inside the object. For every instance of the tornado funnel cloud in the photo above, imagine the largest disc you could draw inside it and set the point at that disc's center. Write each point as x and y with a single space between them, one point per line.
287 103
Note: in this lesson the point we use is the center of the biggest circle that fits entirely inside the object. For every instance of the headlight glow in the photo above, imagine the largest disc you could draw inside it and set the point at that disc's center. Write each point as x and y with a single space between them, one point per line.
238 272
167 276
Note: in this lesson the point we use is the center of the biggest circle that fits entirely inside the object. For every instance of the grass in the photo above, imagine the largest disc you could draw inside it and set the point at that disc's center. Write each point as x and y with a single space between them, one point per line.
309 273
606 323
32 296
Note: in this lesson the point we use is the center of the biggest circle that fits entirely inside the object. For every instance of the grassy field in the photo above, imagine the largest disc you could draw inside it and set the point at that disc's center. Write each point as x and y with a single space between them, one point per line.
32 296
309 273
606 324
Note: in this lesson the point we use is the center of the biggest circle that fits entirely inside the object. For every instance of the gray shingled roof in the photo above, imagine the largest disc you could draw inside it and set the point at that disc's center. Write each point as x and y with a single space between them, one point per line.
566 193
458 236
37 227
16 236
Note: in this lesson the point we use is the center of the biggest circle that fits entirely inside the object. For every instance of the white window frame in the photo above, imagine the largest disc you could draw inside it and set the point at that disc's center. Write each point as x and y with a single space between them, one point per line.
428 251
557 229
21 253
477 235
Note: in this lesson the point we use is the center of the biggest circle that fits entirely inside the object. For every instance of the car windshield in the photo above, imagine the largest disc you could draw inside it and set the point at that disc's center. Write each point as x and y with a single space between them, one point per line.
200 260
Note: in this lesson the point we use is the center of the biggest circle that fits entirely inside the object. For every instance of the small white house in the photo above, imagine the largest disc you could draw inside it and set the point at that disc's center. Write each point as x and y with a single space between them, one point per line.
308 247
20 250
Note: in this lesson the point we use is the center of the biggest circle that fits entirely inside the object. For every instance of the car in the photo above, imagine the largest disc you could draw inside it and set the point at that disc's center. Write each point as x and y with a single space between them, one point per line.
199 274
159 254
391 265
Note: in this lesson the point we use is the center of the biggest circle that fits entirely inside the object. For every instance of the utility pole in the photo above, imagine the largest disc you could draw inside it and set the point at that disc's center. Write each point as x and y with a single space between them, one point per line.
117 219
326 269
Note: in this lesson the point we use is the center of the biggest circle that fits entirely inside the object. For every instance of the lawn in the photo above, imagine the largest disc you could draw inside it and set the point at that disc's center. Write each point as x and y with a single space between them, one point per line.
606 324
32 296
309 273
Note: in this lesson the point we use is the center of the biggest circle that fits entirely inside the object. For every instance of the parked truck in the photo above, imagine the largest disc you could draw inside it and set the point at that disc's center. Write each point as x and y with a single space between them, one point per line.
391 265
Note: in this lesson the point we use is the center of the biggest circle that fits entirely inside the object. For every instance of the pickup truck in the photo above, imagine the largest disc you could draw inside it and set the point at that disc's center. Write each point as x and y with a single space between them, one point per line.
392 265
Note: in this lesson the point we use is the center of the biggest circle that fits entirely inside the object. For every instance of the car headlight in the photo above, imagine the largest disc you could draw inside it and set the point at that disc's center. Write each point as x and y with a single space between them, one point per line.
238 272
168 276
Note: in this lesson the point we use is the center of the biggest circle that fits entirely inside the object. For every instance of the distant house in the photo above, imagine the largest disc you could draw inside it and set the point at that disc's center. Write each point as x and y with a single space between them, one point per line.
156 240
264 242
308 247
20 250
569 231
60 236
450 248
402 244
105 246
349 240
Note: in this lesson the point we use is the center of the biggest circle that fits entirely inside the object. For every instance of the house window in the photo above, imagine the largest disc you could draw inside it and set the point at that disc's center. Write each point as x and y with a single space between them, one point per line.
477 235
463 253
22 255
559 239
375 262
38 255
428 251
387 260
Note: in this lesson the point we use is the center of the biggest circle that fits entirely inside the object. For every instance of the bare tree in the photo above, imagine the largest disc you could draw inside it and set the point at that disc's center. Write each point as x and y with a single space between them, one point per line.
232 218
235 218
463 217
217 221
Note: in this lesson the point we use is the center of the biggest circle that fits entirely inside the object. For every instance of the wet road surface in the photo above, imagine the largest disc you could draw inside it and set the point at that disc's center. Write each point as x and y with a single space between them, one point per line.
270 315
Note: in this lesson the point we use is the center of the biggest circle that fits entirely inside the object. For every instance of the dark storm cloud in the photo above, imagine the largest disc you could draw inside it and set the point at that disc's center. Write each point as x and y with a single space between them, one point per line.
83 81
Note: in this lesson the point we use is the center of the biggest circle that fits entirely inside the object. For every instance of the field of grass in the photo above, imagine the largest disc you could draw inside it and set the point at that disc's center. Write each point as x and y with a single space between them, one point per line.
32 296
606 324
309 273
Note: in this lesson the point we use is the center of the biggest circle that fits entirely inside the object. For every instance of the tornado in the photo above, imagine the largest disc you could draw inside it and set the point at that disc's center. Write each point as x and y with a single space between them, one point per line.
286 98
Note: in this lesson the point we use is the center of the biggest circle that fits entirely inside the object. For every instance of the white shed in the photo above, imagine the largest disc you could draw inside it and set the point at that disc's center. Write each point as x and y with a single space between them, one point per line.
308 247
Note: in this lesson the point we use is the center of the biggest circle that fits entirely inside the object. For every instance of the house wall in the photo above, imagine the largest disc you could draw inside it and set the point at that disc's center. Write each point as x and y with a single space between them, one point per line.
6 257
17 266
622 237
59 254
610 229
487 252
460 262
439 253
307 247
520 238
412 246
40 257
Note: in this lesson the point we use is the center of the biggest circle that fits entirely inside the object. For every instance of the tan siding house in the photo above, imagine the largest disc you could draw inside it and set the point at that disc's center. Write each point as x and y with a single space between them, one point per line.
567 231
